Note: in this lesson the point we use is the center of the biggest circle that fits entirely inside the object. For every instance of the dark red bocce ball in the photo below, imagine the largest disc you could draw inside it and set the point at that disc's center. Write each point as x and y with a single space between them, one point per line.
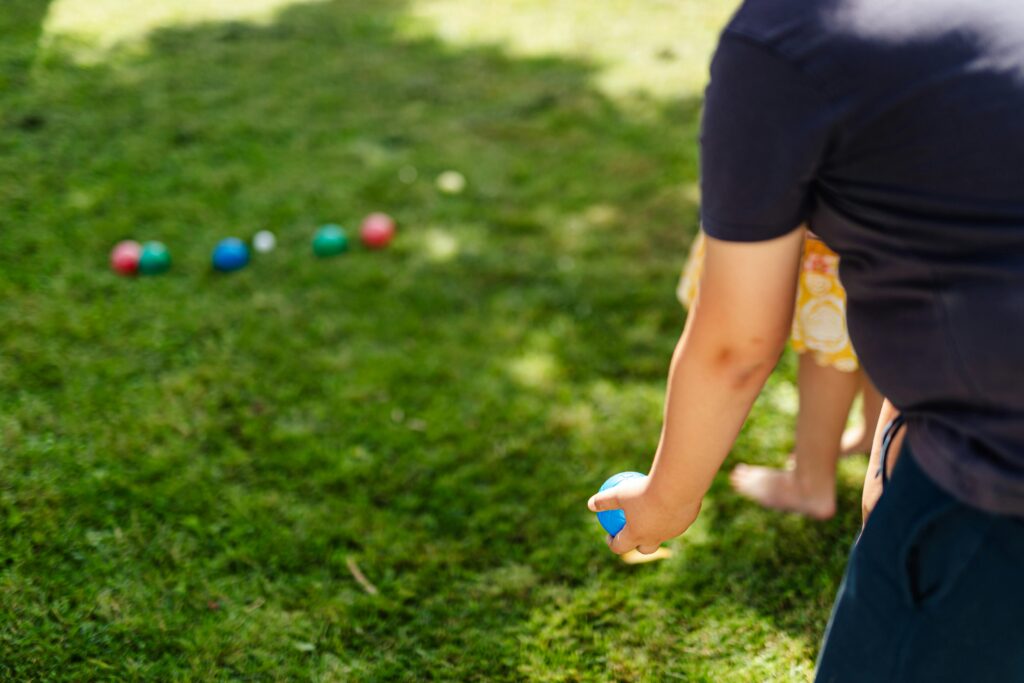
124 259
378 230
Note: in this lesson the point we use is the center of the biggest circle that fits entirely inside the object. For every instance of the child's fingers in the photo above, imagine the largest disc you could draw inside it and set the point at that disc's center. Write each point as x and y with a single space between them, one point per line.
623 542
605 500
647 549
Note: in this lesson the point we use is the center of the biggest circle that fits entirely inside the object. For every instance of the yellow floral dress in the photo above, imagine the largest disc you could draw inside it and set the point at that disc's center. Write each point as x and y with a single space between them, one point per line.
819 321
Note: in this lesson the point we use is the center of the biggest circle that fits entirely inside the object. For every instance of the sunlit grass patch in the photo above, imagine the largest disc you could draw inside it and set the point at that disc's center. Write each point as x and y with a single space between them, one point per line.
91 28
659 47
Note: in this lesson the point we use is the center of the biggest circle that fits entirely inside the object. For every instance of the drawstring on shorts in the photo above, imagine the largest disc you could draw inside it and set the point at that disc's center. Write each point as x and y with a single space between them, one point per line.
887 436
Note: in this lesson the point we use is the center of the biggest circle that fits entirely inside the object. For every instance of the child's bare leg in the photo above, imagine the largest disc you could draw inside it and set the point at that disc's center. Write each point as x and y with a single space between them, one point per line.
858 439
826 395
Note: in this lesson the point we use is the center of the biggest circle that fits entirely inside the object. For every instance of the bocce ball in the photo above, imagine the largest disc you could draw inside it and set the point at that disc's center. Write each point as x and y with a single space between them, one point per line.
377 230
614 520
154 258
124 259
330 240
230 254
264 241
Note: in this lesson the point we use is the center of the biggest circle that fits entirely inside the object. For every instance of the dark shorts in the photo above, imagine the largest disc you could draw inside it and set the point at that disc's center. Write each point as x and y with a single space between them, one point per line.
934 591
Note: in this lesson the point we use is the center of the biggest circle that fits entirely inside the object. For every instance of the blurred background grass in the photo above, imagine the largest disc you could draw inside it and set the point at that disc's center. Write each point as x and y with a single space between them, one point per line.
190 462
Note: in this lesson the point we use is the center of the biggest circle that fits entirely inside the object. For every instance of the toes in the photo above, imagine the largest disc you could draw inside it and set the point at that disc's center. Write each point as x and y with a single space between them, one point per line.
739 475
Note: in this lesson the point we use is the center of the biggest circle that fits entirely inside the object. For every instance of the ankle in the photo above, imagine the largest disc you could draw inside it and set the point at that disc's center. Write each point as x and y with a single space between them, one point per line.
819 493
820 509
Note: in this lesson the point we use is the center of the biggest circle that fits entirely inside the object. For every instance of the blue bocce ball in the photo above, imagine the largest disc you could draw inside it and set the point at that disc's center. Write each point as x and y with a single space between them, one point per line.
614 520
230 254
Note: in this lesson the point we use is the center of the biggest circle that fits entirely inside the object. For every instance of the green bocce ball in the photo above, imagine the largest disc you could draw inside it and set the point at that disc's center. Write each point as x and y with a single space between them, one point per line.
154 259
330 240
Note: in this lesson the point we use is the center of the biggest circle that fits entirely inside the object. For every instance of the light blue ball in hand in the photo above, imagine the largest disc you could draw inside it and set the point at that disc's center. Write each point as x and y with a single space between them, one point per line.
614 520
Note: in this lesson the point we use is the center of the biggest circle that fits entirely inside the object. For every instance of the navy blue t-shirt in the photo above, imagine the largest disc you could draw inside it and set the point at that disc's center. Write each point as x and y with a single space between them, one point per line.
895 129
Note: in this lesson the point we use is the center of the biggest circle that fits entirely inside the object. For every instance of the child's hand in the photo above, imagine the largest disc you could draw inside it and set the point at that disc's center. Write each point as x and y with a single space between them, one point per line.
649 521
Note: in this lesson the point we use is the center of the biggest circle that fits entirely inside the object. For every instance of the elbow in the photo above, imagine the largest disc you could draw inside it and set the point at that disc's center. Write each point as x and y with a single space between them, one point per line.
748 363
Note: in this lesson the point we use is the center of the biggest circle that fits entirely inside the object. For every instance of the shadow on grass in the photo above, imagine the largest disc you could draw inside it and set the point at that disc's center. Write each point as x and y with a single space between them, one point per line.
21 25
191 461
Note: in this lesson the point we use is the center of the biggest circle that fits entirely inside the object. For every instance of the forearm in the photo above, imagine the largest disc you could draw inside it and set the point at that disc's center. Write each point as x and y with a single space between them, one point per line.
712 385
734 334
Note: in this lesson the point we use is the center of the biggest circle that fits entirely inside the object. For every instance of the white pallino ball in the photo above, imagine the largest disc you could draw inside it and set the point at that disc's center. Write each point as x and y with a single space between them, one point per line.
264 241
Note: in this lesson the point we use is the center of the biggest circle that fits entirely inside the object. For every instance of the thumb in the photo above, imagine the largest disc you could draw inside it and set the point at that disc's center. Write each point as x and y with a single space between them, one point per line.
605 500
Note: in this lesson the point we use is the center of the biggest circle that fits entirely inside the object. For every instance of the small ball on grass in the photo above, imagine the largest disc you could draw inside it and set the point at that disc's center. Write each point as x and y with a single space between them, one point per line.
264 241
124 258
330 240
377 230
154 259
230 254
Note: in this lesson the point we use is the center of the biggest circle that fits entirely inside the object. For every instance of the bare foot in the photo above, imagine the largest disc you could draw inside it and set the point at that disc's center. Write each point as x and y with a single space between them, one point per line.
780 490
855 441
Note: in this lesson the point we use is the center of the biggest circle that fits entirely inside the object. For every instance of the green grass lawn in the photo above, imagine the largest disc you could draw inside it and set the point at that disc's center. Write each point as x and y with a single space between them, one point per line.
189 464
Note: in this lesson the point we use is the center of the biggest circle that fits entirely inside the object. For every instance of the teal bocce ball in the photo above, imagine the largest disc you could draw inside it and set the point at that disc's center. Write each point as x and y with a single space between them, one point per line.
154 259
330 240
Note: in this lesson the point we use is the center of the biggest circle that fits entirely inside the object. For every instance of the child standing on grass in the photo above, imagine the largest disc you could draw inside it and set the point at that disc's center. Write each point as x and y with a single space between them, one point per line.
828 379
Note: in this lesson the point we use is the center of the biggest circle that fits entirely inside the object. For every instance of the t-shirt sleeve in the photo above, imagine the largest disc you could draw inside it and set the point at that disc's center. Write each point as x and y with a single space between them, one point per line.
763 137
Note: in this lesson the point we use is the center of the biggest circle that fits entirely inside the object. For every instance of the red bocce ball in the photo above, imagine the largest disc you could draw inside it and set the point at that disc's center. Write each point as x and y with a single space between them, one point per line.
124 259
377 230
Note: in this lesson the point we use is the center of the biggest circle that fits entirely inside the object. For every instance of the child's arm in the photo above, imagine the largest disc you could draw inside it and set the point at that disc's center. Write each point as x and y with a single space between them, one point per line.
734 334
